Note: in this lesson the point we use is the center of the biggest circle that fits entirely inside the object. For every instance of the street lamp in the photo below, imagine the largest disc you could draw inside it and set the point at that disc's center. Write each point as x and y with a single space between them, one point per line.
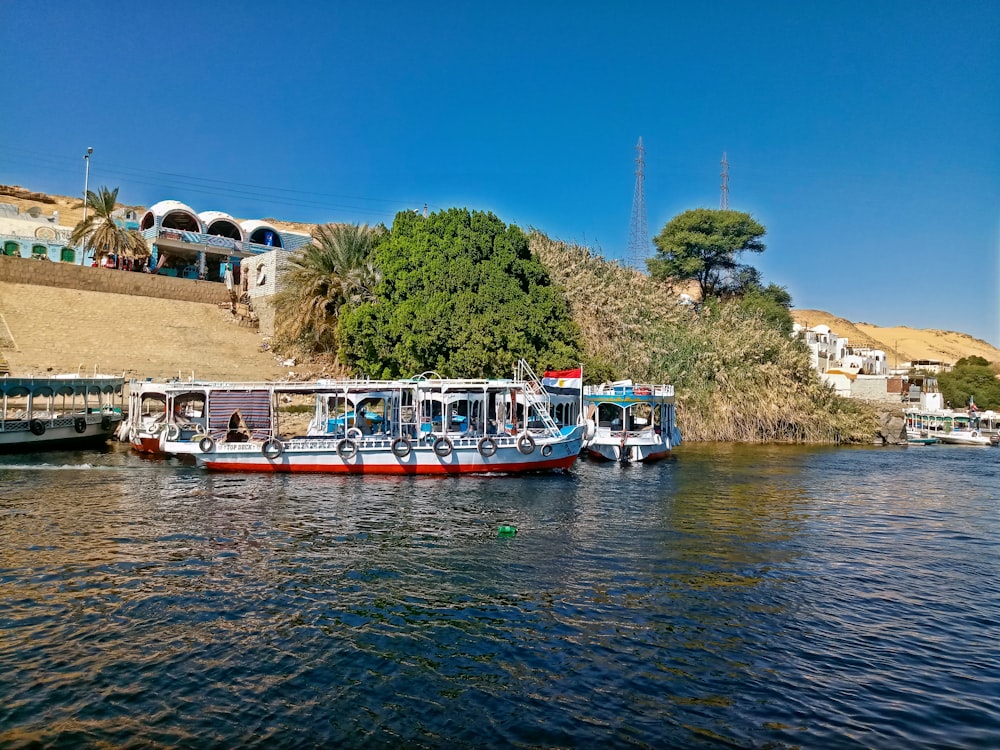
86 180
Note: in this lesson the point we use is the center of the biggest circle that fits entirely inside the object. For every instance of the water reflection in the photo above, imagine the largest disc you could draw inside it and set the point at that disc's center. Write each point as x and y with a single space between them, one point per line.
783 596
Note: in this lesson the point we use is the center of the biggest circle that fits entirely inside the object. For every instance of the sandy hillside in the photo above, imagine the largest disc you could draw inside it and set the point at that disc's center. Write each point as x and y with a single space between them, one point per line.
903 344
45 329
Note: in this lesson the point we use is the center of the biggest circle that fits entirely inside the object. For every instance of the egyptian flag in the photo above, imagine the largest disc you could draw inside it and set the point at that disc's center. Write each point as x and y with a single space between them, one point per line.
564 382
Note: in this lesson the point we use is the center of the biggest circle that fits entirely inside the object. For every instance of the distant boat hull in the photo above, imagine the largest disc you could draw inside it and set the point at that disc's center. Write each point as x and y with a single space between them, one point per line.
64 432
963 437
61 411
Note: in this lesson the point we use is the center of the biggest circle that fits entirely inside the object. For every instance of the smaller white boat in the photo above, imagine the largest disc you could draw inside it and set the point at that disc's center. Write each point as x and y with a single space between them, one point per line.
630 422
62 411
964 437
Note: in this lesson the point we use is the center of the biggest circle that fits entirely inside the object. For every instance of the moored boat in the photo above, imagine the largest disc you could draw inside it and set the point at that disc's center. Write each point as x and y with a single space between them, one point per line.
631 422
964 437
421 425
953 427
62 411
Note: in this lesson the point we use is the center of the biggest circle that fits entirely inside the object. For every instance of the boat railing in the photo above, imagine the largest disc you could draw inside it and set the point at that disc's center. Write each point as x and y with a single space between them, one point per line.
638 389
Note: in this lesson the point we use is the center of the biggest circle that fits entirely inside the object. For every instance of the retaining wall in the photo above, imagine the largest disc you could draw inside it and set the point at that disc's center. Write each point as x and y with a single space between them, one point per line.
14 270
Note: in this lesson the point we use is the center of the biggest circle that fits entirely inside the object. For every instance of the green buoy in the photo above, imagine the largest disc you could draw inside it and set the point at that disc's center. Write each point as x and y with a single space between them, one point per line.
507 531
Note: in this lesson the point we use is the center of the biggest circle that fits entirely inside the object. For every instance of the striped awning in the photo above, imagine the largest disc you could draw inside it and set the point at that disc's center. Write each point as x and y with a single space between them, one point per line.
253 406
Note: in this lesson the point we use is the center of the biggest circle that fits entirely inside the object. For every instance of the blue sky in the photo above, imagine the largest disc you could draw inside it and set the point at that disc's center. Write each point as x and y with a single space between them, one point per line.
864 135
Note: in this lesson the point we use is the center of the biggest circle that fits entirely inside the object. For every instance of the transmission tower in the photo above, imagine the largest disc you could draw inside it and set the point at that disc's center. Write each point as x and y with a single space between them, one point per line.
638 235
724 199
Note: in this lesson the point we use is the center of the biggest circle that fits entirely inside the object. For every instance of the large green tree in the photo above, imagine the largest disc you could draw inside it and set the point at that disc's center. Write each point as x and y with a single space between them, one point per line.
102 234
334 270
460 294
703 245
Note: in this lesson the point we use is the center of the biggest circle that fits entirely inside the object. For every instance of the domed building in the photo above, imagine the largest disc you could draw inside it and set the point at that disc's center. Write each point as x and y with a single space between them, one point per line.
193 245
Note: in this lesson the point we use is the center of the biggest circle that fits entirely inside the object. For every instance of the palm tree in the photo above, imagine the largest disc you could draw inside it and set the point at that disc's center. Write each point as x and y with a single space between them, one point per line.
102 234
334 270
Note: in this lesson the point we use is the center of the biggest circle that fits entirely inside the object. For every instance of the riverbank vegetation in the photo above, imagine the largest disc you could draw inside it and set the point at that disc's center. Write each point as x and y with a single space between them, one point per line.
972 379
737 374
463 294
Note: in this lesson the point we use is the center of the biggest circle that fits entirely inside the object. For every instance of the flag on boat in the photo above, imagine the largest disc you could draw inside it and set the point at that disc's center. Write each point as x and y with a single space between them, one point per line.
563 382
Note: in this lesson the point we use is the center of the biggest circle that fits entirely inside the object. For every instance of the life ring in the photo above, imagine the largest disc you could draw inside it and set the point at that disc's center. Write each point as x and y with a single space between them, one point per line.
206 444
443 447
272 449
401 447
487 447
80 425
525 443
974 434
173 431
105 423
347 449
37 427
354 433
546 450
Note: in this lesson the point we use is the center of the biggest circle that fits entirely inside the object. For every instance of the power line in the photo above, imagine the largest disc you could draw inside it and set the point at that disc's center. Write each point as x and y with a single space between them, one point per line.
208 186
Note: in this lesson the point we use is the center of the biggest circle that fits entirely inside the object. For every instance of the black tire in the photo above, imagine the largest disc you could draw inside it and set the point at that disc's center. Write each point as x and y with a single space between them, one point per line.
272 449
80 425
487 447
525 443
546 450
206 445
401 447
347 449
106 423
443 447
37 427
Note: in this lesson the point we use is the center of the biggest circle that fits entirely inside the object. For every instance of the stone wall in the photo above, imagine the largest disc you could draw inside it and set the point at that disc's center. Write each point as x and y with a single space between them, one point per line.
16 270
262 273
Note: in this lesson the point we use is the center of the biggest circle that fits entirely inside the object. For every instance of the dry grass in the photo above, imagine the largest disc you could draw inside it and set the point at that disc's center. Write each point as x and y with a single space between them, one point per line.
736 378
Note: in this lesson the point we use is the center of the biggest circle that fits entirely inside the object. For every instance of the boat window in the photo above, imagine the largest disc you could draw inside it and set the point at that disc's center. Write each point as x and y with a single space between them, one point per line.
609 415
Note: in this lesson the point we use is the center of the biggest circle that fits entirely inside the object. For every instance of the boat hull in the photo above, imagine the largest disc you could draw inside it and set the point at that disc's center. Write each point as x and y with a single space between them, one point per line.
628 452
61 433
320 456
959 438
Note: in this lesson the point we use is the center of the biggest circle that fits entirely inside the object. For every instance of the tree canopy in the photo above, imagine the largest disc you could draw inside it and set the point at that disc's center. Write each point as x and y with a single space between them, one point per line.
102 234
703 244
461 294
971 377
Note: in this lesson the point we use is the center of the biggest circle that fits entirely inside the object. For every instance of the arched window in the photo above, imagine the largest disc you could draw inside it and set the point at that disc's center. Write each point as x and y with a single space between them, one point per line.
39 251
11 248
67 255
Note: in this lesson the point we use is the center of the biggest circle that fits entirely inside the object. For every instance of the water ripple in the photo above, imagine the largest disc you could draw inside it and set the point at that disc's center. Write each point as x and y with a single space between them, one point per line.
732 597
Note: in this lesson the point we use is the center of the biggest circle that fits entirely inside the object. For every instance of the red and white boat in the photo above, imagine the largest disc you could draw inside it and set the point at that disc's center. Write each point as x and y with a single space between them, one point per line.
422 425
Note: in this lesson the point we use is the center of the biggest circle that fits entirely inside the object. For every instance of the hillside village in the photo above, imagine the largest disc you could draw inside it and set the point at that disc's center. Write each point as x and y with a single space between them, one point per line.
857 359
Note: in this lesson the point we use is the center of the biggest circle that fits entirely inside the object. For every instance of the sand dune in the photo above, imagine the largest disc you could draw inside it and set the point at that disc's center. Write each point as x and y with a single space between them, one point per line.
901 343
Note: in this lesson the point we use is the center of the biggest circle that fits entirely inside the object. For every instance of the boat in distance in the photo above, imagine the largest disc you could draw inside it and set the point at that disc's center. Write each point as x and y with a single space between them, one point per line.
422 425
60 411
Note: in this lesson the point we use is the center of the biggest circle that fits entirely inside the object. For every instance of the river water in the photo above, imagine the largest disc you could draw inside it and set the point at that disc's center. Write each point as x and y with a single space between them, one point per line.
733 596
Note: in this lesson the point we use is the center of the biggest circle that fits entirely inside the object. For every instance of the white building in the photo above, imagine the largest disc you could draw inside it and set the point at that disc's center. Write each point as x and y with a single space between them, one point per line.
853 371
